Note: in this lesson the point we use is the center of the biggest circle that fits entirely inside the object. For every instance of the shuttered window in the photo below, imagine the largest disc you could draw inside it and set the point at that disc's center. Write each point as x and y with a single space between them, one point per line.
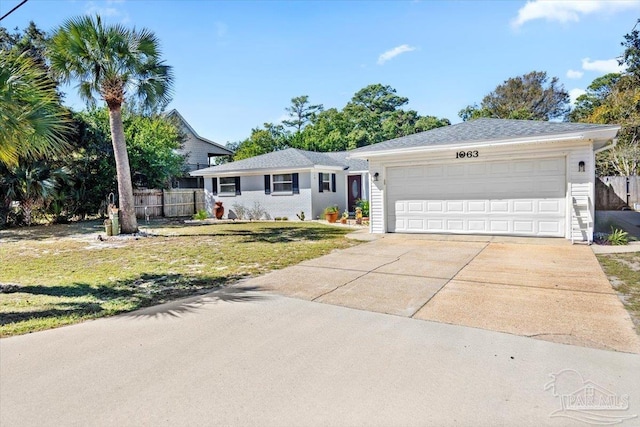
283 183
324 182
230 186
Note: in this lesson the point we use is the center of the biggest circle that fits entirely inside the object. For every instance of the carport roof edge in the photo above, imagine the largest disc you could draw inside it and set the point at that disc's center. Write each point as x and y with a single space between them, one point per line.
487 131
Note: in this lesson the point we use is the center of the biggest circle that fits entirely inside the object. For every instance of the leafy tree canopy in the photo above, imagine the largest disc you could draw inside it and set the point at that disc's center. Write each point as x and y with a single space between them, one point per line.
373 114
301 112
532 96
615 99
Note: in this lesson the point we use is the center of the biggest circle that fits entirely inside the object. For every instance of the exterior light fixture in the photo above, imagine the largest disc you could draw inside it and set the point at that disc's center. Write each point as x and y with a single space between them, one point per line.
377 175
581 166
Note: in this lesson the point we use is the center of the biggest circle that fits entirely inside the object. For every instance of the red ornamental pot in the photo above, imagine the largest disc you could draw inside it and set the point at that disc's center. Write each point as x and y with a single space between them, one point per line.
218 210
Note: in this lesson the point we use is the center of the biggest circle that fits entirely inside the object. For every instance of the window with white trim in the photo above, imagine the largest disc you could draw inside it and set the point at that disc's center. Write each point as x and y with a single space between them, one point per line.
228 185
283 183
326 182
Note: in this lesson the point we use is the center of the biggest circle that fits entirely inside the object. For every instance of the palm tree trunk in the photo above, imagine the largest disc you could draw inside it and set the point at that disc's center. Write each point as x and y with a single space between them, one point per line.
128 221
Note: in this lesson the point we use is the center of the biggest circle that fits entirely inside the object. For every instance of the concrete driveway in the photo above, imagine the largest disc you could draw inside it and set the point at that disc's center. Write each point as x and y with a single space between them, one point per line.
540 288
236 358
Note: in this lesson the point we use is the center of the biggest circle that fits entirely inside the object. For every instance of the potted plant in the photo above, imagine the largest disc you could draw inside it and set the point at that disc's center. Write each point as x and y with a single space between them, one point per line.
345 217
331 213
364 207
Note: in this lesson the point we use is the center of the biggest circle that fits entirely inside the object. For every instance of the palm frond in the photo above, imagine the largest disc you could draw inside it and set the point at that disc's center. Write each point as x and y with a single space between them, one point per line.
33 122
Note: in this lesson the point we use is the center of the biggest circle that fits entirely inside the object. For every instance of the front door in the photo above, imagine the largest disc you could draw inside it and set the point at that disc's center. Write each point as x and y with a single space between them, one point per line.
354 191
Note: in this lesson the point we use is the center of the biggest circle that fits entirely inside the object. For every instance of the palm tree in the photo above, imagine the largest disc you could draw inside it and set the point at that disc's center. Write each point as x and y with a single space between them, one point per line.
32 122
113 62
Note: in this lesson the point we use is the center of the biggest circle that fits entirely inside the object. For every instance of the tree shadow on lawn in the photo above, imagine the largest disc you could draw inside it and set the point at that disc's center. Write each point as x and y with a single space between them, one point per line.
128 295
44 232
275 234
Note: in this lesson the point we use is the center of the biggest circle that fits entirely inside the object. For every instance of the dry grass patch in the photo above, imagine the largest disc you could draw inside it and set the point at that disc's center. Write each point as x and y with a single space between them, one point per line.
63 274
623 271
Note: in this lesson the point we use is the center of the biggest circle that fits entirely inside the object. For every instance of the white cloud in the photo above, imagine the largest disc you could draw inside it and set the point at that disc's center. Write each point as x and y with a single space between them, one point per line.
573 74
602 65
569 10
92 8
221 29
575 93
392 53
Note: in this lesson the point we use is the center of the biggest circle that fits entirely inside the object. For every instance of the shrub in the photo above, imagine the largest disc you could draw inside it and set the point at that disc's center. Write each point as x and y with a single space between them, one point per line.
364 205
201 214
257 212
618 237
240 211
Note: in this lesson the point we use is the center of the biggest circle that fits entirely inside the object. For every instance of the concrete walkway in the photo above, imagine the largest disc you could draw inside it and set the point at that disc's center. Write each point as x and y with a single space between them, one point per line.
240 358
541 288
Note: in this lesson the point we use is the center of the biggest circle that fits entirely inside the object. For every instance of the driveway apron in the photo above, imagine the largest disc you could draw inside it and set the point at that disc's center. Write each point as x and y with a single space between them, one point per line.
540 288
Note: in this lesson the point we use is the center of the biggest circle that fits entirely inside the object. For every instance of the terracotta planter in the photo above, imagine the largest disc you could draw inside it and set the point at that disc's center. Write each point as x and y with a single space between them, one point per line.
343 221
218 210
332 217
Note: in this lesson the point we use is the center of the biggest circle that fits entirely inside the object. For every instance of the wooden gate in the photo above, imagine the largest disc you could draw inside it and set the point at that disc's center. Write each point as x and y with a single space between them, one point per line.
617 192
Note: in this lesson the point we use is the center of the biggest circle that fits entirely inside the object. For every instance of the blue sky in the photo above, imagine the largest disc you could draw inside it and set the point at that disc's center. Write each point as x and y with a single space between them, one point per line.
238 63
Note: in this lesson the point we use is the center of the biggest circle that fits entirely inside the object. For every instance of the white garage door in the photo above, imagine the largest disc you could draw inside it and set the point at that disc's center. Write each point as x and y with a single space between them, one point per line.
518 197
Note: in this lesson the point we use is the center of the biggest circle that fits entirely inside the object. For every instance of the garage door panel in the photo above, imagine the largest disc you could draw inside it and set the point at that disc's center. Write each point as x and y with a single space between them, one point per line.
477 225
524 197
477 206
435 206
523 206
524 227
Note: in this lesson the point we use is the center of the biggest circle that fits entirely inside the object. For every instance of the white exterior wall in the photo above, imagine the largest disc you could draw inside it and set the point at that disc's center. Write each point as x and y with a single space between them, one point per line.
574 152
581 185
327 198
377 213
252 191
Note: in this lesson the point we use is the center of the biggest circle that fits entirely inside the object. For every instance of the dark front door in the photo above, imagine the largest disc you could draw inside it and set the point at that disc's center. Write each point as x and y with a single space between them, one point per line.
354 191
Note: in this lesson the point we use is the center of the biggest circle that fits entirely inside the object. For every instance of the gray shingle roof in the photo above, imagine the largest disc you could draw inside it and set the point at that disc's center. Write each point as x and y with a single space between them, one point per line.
291 158
484 129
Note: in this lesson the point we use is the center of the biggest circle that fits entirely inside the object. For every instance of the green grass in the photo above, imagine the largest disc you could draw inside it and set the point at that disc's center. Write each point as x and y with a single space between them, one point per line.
66 275
623 271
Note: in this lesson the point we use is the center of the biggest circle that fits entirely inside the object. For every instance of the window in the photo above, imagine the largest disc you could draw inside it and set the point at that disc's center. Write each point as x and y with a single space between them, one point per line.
230 185
283 183
326 182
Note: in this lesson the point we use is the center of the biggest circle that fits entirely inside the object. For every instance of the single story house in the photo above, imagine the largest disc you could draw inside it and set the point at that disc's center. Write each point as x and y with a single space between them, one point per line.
488 176
200 151
287 182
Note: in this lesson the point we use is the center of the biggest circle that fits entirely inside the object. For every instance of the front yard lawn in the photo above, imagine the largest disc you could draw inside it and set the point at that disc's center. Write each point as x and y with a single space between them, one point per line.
623 271
58 275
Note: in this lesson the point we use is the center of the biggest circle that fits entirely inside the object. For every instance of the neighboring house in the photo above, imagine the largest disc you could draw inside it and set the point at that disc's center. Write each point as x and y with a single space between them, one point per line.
488 176
287 182
200 152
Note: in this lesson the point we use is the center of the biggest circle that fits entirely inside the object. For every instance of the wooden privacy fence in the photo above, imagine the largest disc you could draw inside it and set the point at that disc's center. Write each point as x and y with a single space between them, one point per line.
617 192
168 203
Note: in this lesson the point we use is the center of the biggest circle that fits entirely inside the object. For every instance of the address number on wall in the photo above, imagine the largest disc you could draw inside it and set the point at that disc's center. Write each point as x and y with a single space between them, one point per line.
466 154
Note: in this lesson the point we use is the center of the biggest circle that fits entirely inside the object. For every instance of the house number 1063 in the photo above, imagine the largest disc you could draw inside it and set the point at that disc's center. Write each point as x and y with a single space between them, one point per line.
466 154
